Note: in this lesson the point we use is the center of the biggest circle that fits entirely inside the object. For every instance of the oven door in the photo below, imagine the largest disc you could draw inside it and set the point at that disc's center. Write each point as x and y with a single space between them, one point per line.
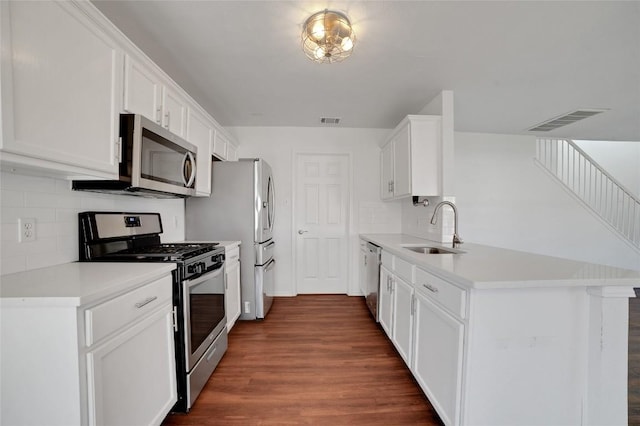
204 314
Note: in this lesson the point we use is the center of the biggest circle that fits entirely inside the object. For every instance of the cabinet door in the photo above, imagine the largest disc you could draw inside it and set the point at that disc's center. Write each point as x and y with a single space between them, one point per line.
142 90
385 301
232 294
386 164
232 152
200 133
61 88
174 111
402 163
437 357
220 146
403 318
132 377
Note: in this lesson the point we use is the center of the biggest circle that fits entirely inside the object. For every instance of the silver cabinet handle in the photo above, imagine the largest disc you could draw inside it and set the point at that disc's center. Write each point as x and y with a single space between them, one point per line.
145 301
167 117
159 115
302 231
430 288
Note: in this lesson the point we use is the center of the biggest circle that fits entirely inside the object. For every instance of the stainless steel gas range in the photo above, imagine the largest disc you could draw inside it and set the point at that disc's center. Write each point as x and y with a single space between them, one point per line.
198 288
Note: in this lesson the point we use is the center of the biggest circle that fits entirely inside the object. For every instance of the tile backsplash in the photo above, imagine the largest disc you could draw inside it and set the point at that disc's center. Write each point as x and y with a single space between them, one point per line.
55 208
416 220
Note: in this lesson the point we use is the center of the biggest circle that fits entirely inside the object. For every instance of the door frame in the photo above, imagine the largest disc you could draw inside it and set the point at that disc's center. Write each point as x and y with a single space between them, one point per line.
294 167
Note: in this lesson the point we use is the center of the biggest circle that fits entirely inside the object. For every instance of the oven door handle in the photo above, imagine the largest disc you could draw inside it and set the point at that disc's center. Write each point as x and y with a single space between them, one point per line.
202 278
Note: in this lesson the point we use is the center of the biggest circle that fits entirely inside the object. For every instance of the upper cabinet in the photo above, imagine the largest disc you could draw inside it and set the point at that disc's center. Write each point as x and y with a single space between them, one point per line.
66 75
223 148
200 132
410 158
146 93
61 86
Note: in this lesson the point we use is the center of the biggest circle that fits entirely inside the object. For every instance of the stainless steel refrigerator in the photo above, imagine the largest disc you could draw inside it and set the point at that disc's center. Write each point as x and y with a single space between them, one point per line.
241 207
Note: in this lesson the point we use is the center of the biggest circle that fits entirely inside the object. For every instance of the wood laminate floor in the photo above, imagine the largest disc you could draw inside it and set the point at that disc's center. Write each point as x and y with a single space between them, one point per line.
317 360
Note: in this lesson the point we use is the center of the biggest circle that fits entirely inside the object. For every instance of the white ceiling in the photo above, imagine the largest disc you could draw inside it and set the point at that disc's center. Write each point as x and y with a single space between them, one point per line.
511 65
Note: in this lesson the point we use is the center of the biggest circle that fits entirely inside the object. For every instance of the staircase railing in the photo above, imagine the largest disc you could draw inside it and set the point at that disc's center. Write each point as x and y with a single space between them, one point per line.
601 193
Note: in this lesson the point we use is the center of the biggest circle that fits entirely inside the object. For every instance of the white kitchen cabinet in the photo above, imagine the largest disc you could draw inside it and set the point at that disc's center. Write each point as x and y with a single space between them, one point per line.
200 133
220 143
402 326
386 172
142 89
174 111
396 294
232 152
437 357
411 159
62 72
120 371
148 93
87 348
385 300
232 298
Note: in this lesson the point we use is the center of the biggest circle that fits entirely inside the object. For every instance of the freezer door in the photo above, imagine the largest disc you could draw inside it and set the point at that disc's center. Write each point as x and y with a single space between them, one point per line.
265 201
264 288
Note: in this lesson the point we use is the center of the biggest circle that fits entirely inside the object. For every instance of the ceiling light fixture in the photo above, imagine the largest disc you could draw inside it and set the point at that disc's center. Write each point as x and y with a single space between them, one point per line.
327 37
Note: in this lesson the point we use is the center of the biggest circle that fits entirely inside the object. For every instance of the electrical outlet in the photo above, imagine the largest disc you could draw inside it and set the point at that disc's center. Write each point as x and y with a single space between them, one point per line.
247 308
26 229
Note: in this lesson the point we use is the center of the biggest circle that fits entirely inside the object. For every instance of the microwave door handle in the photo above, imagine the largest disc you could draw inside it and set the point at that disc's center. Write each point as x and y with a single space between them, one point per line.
189 156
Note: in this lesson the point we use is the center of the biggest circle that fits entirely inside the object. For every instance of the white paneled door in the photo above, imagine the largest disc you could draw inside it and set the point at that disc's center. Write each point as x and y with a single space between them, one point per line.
322 223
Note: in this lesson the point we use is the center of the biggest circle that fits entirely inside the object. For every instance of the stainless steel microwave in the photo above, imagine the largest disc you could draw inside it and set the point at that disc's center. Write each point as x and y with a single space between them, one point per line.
154 162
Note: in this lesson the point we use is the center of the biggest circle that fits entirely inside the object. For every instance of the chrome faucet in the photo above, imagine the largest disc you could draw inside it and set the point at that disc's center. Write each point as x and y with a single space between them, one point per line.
456 238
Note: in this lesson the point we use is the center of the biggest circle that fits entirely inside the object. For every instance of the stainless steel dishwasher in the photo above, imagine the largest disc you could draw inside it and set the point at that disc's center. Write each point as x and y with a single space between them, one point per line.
372 277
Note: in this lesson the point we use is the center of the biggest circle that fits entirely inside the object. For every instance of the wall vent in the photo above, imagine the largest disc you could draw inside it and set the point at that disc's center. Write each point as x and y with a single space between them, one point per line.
330 120
565 119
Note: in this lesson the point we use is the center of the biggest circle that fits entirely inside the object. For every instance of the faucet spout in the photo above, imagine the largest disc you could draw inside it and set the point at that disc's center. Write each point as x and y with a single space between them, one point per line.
434 219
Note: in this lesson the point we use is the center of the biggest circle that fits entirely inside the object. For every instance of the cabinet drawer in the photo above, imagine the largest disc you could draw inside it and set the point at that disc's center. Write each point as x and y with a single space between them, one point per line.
387 260
109 316
447 295
404 270
232 255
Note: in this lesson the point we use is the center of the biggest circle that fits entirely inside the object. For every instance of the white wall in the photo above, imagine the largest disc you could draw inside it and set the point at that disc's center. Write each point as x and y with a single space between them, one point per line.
278 146
505 200
55 207
620 159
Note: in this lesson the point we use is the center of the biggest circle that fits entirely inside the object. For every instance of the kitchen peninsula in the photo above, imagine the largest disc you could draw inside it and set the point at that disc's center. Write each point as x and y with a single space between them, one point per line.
497 336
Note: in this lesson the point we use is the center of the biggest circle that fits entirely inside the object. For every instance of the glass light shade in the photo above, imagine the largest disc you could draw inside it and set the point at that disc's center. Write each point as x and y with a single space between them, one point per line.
327 37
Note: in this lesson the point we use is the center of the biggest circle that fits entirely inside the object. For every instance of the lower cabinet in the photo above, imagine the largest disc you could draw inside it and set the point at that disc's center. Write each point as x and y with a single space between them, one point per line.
109 363
232 286
416 312
403 311
132 376
385 300
437 357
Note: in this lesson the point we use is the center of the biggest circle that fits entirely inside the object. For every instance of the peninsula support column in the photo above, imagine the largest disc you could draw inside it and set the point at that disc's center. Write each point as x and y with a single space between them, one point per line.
607 361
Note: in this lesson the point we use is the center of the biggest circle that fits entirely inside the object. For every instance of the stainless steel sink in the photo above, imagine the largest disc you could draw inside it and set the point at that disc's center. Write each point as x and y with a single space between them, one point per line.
433 250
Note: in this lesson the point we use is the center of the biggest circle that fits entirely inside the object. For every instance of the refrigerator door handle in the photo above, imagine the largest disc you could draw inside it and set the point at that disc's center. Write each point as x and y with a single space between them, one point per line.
270 265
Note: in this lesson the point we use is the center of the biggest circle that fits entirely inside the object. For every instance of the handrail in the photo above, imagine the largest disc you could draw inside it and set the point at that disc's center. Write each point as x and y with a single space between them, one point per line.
600 192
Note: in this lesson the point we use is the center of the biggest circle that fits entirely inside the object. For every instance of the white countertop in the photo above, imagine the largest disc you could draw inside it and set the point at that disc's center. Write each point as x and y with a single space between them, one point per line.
77 283
491 267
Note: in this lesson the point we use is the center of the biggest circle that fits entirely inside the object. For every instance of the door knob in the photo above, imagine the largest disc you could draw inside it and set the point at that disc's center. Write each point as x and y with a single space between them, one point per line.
301 231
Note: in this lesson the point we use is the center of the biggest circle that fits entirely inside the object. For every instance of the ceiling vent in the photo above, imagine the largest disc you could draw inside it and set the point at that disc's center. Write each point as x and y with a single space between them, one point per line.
565 119
330 120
